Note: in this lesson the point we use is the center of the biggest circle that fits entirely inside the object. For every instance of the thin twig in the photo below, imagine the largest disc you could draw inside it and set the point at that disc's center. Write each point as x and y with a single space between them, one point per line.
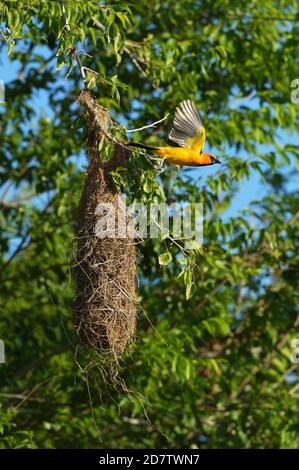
143 72
3 35
36 387
65 18
149 125
75 52
107 134
135 61
6 191
77 59
99 24
15 202
24 239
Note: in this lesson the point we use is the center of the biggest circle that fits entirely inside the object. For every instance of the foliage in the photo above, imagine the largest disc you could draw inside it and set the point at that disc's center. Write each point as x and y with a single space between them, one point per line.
212 370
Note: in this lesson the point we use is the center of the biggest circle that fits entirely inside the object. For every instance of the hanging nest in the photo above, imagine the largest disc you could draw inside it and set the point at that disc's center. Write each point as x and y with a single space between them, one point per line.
105 268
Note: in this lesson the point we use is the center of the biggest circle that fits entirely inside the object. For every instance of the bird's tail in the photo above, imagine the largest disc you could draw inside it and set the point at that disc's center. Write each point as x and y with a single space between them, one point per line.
141 146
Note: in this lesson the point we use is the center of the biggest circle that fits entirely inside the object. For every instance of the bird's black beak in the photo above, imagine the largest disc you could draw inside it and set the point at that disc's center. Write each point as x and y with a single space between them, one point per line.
217 161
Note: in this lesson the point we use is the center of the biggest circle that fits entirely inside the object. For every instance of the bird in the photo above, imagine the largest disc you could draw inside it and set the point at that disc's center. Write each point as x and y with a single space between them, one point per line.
187 138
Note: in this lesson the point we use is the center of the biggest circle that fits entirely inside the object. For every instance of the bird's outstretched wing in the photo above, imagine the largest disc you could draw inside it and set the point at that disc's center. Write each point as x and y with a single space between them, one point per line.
187 127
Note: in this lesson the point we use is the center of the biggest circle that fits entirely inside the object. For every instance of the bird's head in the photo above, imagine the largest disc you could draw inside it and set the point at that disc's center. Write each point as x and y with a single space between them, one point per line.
209 159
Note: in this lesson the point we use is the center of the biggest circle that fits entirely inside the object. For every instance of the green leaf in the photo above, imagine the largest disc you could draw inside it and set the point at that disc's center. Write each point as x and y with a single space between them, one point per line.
60 62
190 290
222 51
165 258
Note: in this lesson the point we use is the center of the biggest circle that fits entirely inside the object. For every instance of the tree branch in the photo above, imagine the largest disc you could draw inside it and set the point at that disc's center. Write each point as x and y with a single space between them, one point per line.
65 18
149 125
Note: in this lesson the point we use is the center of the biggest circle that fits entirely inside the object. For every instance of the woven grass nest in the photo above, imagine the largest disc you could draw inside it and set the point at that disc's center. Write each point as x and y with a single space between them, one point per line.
105 268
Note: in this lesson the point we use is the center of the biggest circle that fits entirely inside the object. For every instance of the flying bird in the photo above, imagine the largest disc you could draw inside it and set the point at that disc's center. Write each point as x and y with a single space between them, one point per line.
187 138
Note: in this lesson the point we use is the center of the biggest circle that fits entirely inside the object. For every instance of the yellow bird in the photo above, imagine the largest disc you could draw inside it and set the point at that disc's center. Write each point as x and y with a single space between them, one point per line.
187 137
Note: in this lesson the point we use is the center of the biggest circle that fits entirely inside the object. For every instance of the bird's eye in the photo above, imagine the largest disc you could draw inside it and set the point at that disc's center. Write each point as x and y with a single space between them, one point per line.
212 159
